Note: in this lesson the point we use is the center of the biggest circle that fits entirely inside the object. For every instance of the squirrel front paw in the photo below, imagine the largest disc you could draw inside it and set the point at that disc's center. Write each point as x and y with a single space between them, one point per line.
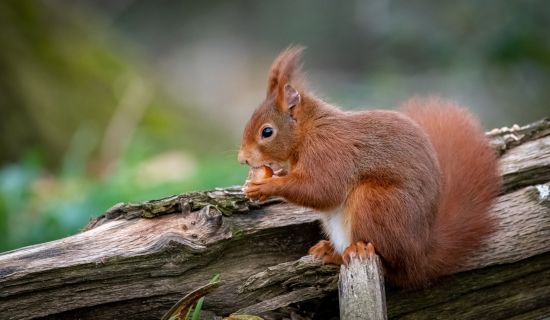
325 252
358 249
260 189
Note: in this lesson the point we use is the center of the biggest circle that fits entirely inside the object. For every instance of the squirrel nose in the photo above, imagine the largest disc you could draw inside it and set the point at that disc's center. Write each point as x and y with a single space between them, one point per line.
242 158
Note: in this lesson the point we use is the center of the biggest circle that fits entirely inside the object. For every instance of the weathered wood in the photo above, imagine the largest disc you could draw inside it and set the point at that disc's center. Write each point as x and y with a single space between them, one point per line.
124 266
362 294
497 292
506 138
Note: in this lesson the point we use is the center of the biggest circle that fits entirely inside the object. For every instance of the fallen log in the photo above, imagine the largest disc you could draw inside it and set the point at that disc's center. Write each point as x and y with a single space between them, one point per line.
137 260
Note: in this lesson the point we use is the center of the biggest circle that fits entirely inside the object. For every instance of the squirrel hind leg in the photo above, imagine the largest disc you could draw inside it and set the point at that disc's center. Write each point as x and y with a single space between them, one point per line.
325 252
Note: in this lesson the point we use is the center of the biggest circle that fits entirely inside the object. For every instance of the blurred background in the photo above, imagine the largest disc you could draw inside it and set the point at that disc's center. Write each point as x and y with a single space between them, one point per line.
124 101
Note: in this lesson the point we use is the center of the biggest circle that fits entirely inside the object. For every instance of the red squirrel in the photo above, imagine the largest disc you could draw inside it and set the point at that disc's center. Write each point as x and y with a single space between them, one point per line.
417 183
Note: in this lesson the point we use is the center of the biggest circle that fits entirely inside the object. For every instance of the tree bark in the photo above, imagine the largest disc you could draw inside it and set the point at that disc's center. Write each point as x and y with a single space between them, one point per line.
137 260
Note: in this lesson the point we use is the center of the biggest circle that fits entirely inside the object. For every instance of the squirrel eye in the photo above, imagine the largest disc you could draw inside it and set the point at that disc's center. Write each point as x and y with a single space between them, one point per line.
267 132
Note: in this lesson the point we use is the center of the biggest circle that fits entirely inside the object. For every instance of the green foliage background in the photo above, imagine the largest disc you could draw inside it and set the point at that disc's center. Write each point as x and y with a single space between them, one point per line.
70 69
59 82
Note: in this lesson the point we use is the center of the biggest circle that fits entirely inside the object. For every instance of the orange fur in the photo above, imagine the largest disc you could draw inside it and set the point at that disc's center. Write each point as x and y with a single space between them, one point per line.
417 184
324 251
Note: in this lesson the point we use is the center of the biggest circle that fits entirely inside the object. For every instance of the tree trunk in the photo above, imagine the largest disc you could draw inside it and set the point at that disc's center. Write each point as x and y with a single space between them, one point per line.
137 260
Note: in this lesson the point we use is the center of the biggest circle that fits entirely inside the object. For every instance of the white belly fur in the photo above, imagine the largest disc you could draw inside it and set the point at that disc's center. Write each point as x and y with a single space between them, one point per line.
336 230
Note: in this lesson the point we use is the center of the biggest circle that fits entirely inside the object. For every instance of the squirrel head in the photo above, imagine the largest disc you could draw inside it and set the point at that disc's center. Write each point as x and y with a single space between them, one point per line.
270 136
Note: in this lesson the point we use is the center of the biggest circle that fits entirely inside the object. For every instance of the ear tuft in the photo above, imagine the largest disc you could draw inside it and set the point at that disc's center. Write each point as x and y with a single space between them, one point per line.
284 70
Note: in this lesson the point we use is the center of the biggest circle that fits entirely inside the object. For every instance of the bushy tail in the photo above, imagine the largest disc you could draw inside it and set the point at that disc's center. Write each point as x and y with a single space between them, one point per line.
470 180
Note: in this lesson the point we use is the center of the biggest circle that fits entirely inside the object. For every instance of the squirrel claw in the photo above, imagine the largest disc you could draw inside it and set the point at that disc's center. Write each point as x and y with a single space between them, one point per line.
358 249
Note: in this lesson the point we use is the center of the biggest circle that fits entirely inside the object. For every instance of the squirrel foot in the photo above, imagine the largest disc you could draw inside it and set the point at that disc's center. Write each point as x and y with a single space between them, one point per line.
324 251
359 249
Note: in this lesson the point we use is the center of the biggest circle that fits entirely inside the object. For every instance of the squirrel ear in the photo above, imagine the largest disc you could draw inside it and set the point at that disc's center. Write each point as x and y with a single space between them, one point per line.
292 97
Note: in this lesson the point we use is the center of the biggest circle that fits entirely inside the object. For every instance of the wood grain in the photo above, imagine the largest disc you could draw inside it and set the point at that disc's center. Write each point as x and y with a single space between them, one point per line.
362 295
